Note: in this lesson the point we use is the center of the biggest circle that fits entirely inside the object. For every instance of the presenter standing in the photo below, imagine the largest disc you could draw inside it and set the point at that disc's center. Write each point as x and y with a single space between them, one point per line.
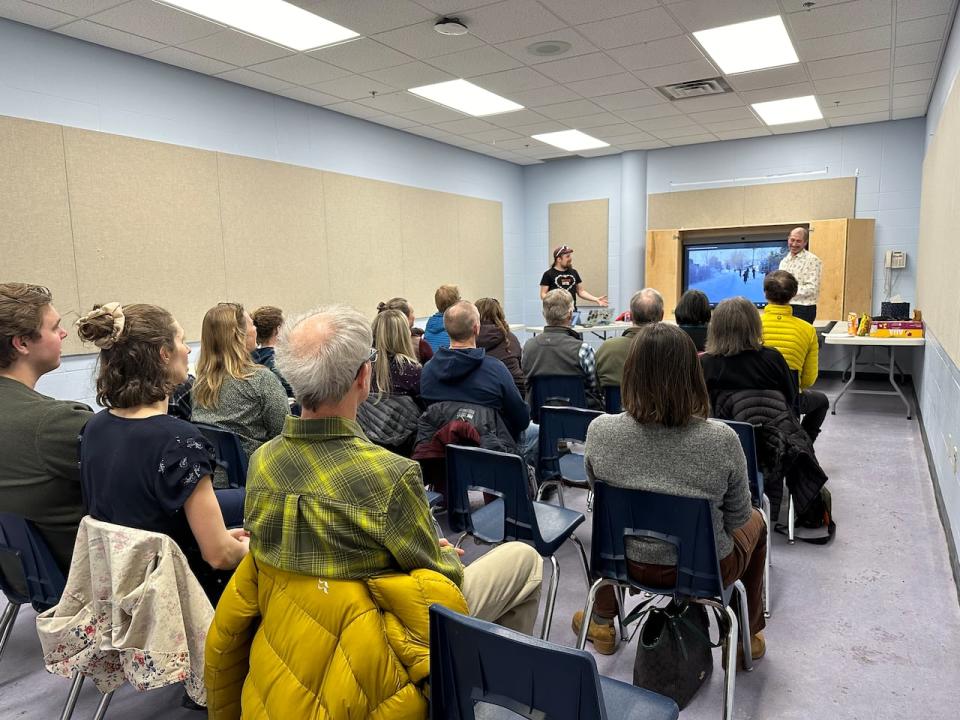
806 268
562 276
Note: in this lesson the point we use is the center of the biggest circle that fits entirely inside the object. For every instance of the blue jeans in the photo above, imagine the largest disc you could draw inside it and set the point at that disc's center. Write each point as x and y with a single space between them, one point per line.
529 445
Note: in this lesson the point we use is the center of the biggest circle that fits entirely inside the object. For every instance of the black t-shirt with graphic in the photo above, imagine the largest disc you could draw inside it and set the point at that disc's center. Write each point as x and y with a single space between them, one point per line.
564 280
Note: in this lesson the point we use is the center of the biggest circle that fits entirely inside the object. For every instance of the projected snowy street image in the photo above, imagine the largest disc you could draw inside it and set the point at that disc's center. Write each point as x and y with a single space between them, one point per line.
723 272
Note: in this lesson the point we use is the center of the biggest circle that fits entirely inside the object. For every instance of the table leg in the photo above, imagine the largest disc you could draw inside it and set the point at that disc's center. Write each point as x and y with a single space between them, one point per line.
893 382
853 376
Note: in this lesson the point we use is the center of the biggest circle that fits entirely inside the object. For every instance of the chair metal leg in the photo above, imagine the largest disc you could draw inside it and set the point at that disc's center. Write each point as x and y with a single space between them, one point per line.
621 600
765 503
589 500
102 707
551 598
588 612
7 621
460 539
791 521
730 648
583 558
75 683
744 620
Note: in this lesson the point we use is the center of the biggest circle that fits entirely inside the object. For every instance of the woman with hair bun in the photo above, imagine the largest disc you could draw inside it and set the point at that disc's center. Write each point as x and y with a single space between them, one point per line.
268 320
424 351
140 467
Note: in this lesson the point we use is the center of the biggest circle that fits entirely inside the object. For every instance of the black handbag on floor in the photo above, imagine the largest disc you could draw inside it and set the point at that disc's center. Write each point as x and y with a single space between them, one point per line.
674 653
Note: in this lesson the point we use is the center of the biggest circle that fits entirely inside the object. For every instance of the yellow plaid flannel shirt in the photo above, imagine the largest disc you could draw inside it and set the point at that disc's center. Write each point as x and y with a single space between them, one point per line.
323 500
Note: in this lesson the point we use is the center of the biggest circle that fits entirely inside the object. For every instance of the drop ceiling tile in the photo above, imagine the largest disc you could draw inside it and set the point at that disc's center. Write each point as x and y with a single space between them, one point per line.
569 109
494 135
475 61
253 79
510 81
352 87
655 125
35 15
657 53
909 73
849 65
745 123
910 102
518 48
354 109
740 134
836 19
433 114
692 139
644 26
666 133
155 21
300 70
848 97
371 16
928 29
709 102
606 132
792 6
778 93
465 126
517 143
447 7
853 82
79 8
798 127
846 109
877 38
681 72
539 97
537 128
510 20
516 119
644 145
101 35
859 119
309 96
423 42
627 100
697 15
909 113
408 75
600 152
394 121
922 8
431 132
918 87
759 79
636 136
234 47
591 121
583 67
396 103
189 60
725 114
649 112
917 54
361 55
608 85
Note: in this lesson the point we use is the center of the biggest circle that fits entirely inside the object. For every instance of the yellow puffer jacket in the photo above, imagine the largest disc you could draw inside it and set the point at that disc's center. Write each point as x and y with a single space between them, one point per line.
285 646
795 339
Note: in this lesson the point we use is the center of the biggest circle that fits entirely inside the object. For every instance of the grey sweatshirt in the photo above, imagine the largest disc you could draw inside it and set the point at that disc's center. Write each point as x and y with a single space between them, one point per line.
703 460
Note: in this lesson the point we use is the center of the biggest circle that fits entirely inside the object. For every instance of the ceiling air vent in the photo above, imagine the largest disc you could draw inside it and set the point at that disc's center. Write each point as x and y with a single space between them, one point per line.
694 89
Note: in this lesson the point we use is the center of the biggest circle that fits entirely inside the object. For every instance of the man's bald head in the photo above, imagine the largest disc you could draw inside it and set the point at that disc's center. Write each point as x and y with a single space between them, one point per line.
797 239
462 321
646 306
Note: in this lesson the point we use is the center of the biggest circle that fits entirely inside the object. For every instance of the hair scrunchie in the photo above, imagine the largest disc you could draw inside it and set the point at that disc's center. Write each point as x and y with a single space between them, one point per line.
112 310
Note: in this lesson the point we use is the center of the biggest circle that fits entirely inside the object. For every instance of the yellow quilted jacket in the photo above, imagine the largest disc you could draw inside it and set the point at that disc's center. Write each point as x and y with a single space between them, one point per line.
285 646
795 339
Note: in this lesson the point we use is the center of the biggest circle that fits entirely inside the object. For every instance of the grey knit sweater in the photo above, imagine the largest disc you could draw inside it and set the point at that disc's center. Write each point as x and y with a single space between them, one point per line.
703 459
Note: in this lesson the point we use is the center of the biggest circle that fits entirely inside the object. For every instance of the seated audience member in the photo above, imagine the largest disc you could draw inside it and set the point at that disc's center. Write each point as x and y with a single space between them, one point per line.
693 315
560 350
664 443
396 370
268 320
464 373
422 347
39 477
646 306
231 391
140 467
796 340
436 335
498 341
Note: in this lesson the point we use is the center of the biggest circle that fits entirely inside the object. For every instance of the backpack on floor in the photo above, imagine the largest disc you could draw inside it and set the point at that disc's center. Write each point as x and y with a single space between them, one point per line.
814 525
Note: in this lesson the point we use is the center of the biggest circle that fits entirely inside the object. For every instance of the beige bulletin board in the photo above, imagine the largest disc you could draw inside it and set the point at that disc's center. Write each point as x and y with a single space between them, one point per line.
584 226
99 217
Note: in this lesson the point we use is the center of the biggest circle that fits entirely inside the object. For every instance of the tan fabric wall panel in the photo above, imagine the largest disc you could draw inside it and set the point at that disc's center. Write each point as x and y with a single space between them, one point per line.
584 226
480 270
146 224
36 244
430 227
720 207
274 234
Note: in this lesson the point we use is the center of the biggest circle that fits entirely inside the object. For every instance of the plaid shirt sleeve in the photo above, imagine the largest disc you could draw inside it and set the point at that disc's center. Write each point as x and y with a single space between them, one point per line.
588 363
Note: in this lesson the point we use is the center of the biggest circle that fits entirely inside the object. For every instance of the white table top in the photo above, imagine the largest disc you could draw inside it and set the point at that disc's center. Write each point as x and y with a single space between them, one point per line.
514 327
583 329
839 336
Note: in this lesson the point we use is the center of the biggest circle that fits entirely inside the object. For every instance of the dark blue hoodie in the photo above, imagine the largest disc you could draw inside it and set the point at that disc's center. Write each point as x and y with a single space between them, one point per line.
469 375
436 333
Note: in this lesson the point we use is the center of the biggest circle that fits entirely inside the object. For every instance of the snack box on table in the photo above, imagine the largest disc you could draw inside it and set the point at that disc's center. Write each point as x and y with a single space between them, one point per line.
896 329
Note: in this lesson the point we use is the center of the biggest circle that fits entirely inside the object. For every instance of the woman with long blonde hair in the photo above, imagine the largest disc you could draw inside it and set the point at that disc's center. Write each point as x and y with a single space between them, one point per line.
232 391
396 370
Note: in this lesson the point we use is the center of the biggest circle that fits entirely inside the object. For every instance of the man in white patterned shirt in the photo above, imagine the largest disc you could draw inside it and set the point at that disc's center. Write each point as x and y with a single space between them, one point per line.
806 268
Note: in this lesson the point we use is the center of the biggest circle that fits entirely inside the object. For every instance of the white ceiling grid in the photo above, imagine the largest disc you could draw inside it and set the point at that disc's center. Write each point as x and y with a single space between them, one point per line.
865 60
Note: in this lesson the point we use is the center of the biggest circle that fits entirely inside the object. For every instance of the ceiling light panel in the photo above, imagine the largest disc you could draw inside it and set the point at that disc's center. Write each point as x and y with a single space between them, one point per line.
571 140
273 20
790 110
747 46
466 97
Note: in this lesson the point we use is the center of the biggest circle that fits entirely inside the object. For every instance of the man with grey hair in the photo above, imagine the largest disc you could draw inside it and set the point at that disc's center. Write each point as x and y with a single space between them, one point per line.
646 306
560 350
322 500
806 268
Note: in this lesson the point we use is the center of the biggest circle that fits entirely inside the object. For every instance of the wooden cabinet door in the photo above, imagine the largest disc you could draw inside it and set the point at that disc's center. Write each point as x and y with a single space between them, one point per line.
828 241
663 266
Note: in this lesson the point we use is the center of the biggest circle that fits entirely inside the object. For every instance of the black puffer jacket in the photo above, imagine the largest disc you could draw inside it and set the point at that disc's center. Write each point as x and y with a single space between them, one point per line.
493 432
389 420
784 449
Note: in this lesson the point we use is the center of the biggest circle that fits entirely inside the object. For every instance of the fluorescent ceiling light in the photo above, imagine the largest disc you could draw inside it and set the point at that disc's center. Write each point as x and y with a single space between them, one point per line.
572 140
273 20
466 97
791 110
747 46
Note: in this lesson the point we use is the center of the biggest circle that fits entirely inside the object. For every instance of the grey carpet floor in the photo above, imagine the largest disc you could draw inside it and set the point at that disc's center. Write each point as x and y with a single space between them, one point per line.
866 628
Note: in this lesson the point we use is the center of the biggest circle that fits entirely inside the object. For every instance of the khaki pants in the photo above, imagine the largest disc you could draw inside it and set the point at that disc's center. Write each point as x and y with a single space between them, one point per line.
503 586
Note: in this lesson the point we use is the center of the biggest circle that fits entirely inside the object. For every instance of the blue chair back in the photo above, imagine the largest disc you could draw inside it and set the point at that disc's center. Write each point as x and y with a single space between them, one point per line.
229 452
473 661
556 424
611 399
28 572
685 523
748 441
559 390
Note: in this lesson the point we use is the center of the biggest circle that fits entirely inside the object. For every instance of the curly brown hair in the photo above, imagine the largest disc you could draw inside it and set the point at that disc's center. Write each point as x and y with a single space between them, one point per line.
132 371
267 320
21 314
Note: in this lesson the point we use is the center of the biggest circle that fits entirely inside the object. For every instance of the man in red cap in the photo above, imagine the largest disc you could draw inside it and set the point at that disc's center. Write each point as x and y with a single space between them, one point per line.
563 276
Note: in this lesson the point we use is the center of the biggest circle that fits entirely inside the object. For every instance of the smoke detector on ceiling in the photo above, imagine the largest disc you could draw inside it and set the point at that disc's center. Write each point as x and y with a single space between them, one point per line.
450 26
548 48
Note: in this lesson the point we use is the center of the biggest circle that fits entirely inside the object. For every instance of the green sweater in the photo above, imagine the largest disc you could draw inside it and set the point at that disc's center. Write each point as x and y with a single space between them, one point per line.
612 355
39 470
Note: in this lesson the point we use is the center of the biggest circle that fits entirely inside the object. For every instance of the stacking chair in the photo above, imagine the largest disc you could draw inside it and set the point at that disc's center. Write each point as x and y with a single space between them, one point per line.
229 453
558 390
748 441
512 515
556 468
686 524
611 399
474 661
